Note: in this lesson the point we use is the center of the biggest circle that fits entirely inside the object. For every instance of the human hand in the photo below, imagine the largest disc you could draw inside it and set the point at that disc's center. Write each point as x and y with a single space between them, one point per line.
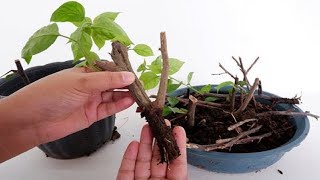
141 159
65 102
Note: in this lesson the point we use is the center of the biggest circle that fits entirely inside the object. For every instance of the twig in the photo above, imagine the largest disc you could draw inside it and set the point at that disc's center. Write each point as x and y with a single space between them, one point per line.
248 98
21 72
161 96
199 102
218 74
253 138
212 147
222 141
233 95
254 62
191 110
240 123
244 72
236 61
288 113
260 88
226 71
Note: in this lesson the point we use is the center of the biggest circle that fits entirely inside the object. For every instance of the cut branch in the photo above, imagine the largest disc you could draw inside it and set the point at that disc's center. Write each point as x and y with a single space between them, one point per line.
21 72
254 62
226 71
240 123
288 113
235 140
161 96
233 95
199 102
248 98
191 110
168 147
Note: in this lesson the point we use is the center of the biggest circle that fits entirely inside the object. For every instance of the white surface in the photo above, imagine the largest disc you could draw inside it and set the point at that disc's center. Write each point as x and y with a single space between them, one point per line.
285 34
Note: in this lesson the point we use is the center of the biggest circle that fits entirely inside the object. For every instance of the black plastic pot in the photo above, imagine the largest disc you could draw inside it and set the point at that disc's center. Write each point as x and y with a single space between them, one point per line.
76 145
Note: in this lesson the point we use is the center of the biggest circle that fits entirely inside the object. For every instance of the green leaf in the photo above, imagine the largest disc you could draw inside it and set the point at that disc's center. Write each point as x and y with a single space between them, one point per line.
40 41
92 57
143 50
173 101
178 110
110 15
205 89
142 66
86 22
149 79
166 111
104 28
156 65
211 99
242 83
224 84
71 11
174 65
171 86
83 43
190 75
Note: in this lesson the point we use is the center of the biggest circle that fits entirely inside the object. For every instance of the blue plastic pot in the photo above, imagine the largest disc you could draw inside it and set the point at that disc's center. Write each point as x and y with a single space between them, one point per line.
76 145
224 162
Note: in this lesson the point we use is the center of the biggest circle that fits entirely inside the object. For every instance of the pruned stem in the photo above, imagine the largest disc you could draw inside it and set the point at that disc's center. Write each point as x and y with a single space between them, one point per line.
288 113
21 72
248 98
199 102
233 95
254 62
240 123
191 110
161 96
226 71
260 88
235 140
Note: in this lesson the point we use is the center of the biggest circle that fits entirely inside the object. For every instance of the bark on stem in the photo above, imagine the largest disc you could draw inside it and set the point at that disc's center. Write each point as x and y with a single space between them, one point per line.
191 110
287 113
162 91
21 72
168 147
248 98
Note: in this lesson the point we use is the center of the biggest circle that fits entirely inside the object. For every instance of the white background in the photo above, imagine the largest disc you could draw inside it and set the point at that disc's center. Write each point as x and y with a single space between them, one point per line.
284 34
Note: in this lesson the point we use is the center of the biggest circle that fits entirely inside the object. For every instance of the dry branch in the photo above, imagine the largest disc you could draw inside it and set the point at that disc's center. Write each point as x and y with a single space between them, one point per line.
162 91
21 72
288 113
240 123
191 110
235 140
226 71
248 98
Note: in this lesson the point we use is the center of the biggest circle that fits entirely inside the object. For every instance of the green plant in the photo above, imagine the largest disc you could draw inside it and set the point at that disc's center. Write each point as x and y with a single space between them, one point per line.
100 30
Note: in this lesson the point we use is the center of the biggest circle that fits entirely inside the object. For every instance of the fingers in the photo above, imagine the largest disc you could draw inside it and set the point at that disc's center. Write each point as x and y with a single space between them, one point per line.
179 164
108 108
143 170
103 81
158 170
126 170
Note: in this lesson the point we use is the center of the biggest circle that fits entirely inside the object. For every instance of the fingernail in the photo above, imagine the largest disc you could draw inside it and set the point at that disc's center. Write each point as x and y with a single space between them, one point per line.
128 77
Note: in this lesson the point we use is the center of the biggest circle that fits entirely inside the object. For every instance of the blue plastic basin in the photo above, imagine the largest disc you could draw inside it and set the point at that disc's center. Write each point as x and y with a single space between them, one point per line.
247 162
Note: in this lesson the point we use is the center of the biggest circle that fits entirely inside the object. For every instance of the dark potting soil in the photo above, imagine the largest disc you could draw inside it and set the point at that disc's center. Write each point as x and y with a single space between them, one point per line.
211 124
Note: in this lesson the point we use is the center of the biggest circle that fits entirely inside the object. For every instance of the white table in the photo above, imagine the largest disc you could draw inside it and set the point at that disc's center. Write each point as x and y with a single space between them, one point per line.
285 34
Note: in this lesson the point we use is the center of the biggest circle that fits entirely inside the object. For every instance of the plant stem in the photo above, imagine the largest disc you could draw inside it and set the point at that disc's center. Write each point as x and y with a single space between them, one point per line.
248 98
191 110
287 113
161 95
21 72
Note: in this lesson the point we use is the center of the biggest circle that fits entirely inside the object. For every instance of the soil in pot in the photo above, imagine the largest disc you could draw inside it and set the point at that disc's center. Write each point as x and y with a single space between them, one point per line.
211 125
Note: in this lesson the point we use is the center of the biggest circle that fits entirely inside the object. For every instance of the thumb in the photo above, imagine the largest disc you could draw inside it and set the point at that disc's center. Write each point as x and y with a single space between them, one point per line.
103 81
